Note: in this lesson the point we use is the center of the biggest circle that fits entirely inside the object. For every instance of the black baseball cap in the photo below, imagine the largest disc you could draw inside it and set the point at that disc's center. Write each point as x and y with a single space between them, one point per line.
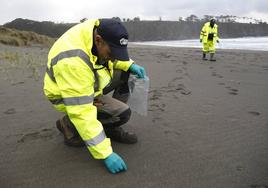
116 35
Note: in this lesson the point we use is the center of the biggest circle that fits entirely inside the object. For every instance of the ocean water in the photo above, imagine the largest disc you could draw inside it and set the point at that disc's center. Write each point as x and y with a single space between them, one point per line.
247 43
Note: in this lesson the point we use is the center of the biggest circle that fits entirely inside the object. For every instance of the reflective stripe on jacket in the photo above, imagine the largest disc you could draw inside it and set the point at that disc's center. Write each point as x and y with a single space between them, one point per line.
206 30
73 79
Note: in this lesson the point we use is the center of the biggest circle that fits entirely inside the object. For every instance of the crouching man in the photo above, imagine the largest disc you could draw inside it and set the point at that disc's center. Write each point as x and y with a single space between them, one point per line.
85 63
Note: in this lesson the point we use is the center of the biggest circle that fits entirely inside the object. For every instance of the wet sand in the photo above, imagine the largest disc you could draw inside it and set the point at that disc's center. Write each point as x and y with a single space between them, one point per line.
207 124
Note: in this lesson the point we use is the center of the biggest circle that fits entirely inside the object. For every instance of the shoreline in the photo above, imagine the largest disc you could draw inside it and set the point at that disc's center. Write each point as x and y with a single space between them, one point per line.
247 43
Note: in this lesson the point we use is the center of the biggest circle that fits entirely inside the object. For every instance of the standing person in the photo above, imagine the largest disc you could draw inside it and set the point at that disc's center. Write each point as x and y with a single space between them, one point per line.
84 64
209 36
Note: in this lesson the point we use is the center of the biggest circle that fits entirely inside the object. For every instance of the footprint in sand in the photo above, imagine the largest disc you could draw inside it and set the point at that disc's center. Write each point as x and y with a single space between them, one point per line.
10 111
213 74
183 90
179 71
254 113
172 132
174 87
156 94
179 87
174 60
156 107
234 70
216 75
17 83
232 91
168 130
43 134
171 83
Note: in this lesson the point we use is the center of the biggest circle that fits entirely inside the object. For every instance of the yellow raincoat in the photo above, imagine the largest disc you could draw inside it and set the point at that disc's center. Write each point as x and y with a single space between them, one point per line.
73 79
209 45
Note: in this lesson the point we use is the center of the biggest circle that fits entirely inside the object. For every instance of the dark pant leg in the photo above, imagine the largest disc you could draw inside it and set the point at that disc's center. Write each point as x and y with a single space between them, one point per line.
119 85
108 121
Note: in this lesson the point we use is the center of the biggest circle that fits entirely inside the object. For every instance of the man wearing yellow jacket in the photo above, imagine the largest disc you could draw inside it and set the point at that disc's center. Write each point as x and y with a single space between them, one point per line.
209 36
84 64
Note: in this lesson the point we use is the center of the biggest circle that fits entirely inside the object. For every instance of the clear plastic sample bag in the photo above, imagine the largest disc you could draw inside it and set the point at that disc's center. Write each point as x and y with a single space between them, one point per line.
138 100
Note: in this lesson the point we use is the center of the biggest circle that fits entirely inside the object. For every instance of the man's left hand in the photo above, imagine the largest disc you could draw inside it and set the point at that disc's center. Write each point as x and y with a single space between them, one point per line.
138 70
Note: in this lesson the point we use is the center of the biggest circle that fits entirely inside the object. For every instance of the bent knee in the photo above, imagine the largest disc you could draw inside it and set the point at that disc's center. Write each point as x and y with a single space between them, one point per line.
125 116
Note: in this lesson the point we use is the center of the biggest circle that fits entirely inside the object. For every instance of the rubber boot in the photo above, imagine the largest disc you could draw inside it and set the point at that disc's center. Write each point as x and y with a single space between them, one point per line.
115 132
118 134
71 136
212 57
204 57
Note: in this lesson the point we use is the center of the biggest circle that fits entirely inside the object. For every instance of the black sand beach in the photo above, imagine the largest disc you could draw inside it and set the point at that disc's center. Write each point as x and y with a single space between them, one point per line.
207 124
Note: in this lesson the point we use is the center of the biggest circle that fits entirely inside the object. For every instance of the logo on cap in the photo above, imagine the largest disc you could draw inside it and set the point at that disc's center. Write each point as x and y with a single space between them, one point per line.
123 41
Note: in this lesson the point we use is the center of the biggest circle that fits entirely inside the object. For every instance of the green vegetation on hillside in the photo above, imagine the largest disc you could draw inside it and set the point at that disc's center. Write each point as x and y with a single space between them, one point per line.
23 38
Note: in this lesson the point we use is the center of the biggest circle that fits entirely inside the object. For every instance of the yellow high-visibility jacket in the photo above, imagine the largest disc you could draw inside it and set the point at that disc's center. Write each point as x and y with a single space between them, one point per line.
73 79
206 30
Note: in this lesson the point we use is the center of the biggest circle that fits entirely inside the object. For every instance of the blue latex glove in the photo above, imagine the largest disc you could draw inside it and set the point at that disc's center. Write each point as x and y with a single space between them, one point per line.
138 70
115 163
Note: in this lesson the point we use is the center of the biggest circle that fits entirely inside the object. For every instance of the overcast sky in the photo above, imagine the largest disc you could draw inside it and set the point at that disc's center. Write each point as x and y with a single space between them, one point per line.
73 11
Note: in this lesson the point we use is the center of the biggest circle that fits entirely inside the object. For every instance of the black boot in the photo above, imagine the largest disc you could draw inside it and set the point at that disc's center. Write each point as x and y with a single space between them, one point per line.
120 135
71 136
212 57
204 57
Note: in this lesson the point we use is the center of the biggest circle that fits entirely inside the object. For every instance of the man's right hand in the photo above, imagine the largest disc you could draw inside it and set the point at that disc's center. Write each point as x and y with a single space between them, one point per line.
115 163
